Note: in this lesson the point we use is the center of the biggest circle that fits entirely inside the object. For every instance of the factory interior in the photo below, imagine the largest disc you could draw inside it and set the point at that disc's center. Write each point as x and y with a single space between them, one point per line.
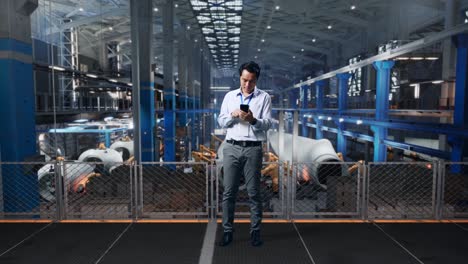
111 150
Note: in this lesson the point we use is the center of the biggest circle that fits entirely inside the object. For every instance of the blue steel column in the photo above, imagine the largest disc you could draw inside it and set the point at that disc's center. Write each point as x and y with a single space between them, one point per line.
304 90
17 107
182 75
381 107
169 89
460 115
292 98
196 62
342 106
190 91
319 97
194 123
143 80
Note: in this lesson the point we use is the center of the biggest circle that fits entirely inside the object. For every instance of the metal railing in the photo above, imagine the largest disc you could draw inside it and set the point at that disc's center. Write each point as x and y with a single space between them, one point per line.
273 188
173 190
401 190
189 190
327 189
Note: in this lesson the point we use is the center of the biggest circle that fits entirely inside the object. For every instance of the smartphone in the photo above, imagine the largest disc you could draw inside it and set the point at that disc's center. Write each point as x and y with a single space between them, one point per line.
244 107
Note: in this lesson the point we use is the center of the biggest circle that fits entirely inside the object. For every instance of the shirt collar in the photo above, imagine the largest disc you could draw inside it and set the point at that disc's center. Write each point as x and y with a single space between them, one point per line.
255 92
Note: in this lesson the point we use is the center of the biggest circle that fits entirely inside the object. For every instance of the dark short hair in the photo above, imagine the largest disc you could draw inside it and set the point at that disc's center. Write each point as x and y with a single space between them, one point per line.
251 67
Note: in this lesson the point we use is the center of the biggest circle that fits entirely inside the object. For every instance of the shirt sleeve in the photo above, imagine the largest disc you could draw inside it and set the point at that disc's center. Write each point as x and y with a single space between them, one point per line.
264 123
225 120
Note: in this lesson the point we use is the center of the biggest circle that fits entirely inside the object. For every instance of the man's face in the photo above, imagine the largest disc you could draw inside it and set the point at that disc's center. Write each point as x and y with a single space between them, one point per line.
248 81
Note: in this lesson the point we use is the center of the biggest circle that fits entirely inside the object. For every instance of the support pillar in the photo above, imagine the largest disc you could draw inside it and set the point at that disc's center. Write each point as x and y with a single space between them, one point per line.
292 99
460 115
305 101
383 69
342 106
190 93
182 75
451 16
143 80
319 97
169 88
17 107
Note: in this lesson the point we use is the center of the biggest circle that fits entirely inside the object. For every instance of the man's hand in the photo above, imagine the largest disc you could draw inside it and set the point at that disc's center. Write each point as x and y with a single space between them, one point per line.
237 113
247 116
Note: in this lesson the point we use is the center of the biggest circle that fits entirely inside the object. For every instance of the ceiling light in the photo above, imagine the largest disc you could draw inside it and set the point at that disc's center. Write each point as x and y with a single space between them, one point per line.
417 58
353 7
277 7
155 9
358 122
130 84
91 75
302 50
263 40
268 27
176 5
113 80
57 68
294 57
341 120
438 81
259 50
81 9
402 58
256 57
329 27
432 58
329 118
313 40
111 28
196 40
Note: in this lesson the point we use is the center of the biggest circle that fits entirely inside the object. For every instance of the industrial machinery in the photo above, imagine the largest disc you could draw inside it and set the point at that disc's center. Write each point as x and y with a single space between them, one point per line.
109 158
125 147
74 172
316 152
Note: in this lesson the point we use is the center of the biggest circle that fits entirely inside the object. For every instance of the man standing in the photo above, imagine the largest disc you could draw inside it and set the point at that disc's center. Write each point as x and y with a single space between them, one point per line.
246 114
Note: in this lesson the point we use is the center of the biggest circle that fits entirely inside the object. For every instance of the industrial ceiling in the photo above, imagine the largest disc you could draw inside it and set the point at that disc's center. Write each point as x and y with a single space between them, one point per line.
290 39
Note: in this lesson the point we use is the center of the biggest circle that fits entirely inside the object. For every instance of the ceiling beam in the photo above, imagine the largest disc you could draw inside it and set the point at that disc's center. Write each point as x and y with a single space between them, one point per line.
299 45
289 28
434 4
91 19
348 19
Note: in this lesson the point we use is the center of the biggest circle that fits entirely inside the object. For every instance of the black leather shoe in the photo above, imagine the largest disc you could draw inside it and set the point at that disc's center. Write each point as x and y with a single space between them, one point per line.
226 239
255 238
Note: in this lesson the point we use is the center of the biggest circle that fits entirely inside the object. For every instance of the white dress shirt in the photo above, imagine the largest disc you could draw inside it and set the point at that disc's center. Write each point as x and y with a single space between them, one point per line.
259 103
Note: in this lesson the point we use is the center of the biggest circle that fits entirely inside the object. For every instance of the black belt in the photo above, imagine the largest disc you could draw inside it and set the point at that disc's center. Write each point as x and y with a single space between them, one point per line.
244 143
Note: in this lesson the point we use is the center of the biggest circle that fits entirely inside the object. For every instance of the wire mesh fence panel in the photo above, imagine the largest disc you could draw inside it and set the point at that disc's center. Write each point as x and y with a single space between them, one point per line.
174 190
28 190
97 190
454 202
272 188
401 190
326 190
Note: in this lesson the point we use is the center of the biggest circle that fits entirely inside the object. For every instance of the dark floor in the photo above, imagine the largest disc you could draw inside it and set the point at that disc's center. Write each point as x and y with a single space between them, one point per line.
283 243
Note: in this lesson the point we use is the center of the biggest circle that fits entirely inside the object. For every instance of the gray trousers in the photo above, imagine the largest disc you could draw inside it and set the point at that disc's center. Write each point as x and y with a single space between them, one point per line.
238 161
